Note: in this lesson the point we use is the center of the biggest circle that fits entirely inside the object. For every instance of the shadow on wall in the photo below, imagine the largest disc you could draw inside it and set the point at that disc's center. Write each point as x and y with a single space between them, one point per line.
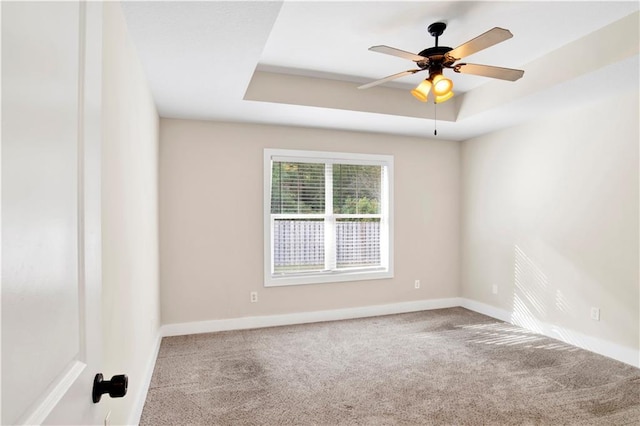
539 301
551 297
531 292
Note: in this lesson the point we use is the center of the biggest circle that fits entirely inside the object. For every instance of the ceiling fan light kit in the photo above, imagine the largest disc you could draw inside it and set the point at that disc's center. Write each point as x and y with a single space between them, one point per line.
435 59
441 85
443 98
442 89
421 92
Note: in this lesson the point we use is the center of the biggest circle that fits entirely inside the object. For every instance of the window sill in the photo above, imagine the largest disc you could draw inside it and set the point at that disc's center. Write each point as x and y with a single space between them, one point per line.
326 277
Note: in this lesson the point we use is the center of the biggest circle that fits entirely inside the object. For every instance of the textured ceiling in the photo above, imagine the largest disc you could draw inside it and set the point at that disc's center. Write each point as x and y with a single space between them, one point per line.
300 62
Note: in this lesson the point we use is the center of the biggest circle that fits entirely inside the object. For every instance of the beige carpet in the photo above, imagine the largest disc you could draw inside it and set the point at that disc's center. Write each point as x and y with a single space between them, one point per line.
440 367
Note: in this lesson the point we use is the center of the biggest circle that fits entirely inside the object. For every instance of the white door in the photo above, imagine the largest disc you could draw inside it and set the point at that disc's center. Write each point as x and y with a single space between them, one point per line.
51 109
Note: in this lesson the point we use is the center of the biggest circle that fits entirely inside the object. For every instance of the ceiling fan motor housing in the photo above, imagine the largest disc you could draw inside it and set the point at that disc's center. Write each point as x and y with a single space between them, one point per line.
436 55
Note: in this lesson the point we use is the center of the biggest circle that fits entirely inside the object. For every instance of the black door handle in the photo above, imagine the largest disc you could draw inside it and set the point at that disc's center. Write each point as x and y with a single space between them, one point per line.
116 387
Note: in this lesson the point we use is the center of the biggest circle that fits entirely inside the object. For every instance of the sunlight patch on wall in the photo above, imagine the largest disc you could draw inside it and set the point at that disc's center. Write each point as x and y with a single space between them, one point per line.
562 304
531 288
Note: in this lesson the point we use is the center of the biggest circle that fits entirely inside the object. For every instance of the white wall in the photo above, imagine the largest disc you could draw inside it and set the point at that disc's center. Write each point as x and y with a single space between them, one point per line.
130 217
211 226
550 216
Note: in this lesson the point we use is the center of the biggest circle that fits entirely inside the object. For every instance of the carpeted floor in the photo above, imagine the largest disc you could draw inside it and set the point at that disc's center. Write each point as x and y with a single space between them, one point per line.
441 367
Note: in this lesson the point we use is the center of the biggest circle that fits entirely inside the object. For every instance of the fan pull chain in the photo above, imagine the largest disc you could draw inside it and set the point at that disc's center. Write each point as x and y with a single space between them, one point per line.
435 119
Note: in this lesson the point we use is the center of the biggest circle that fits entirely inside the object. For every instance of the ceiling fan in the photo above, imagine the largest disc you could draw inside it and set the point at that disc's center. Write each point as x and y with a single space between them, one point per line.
435 59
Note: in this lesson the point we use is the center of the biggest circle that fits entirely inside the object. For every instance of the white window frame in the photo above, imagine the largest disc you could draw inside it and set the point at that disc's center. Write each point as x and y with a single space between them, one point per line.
386 223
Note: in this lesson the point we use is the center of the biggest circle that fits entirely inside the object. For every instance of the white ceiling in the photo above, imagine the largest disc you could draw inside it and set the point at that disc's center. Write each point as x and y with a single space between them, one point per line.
207 60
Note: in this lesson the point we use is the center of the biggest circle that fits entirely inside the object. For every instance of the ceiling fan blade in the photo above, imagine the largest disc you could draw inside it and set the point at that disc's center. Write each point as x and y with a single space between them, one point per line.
397 52
488 39
489 71
389 78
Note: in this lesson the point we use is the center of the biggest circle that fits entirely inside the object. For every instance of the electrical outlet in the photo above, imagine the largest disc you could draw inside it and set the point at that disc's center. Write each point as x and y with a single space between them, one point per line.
416 284
254 296
494 289
595 314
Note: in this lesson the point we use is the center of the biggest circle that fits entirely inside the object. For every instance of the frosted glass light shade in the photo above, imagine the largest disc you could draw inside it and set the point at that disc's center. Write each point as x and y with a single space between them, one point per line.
422 91
443 98
441 85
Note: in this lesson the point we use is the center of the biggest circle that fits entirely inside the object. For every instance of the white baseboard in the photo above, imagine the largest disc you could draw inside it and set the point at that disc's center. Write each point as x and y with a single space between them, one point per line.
600 346
197 327
484 309
141 396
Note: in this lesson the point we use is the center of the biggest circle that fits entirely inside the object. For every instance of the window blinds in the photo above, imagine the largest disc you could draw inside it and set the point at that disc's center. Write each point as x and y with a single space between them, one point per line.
325 216
297 188
356 189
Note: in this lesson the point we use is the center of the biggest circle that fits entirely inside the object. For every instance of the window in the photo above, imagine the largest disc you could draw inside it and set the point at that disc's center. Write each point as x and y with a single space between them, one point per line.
327 217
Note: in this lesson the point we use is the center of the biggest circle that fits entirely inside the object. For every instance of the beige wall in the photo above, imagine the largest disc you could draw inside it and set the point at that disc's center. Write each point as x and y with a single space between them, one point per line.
130 216
550 216
211 232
